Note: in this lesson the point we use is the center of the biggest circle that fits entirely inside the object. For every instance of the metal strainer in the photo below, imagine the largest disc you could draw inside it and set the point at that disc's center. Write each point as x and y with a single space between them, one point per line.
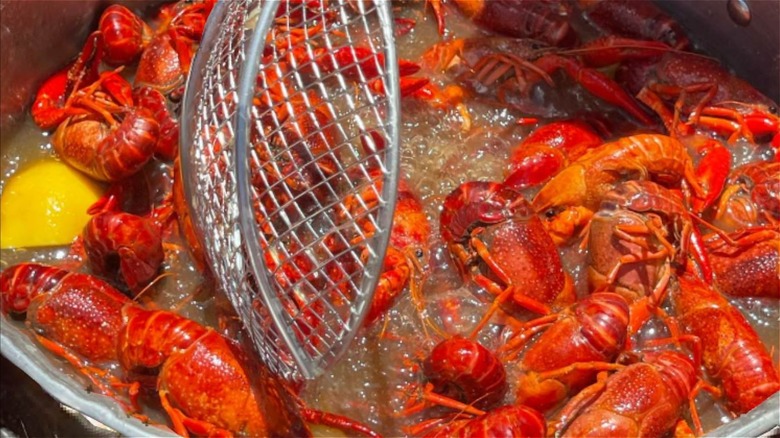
289 159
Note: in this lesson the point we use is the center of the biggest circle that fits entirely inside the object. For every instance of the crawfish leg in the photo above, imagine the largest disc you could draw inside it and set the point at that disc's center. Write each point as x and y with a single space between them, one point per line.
527 302
93 374
183 425
531 304
577 404
700 385
600 366
338 421
633 258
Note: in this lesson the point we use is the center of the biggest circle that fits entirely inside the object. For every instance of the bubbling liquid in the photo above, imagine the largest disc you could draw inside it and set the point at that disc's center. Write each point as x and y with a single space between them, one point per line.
374 379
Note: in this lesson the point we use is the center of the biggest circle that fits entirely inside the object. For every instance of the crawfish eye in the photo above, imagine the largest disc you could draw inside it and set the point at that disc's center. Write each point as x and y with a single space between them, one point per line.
772 109
550 213
418 253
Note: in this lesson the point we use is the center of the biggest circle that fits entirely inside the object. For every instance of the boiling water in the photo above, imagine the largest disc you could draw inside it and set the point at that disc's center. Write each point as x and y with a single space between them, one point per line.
378 374
439 152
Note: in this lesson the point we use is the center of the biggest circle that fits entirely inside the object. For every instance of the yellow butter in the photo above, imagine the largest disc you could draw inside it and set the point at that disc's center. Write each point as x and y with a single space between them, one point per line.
45 204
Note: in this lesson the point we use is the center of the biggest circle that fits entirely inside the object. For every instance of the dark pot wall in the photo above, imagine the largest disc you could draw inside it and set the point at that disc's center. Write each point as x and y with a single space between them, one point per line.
37 38
752 51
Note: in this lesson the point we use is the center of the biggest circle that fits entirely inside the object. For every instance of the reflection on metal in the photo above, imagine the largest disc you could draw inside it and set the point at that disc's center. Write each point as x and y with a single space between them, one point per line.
739 11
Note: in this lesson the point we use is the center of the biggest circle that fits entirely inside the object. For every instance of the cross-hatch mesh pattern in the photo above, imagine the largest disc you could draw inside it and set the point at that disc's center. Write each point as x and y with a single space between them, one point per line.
320 169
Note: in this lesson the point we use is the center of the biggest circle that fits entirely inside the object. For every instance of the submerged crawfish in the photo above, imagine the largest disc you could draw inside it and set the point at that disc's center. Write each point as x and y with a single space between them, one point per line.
498 241
643 399
112 139
581 340
745 257
641 231
577 190
751 197
732 352
507 69
165 61
409 235
124 248
202 379
505 421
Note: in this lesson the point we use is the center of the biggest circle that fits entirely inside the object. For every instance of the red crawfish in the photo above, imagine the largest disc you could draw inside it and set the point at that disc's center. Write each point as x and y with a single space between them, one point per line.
184 219
579 342
751 197
125 35
673 71
113 139
642 399
546 21
124 248
640 233
508 69
689 91
167 147
746 263
569 199
360 64
204 381
640 19
166 60
547 150
297 157
515 421
462 369
498 242
732 352
409 236
52 103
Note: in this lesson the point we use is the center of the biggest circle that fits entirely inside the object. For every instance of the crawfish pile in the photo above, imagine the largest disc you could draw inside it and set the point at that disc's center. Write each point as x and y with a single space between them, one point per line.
586 229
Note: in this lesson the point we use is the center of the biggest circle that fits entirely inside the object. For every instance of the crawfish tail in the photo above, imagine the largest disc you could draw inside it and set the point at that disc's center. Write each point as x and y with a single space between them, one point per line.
732 351
149 337
129 147
20 283
123 248
604 317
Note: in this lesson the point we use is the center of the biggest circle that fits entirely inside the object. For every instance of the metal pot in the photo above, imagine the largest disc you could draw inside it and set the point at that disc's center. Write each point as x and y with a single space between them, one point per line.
40 36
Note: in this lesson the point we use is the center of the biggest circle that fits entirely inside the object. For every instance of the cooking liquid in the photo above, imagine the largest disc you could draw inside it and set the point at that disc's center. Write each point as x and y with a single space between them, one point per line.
377 375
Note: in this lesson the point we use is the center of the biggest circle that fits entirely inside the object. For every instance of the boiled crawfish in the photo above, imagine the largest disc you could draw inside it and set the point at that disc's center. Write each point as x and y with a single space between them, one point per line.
124 248
52 104
751 197
113 138
745 247
464 370
498 242
540 20
513 420
641 232
409 235
166 59
732 352
125 35
643 399
298 157
580 341
508 69
547 150
570 197
87 322
746 263
640 19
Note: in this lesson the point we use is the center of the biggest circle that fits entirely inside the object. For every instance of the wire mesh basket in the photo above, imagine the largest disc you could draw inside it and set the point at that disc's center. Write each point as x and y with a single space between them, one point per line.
289 158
